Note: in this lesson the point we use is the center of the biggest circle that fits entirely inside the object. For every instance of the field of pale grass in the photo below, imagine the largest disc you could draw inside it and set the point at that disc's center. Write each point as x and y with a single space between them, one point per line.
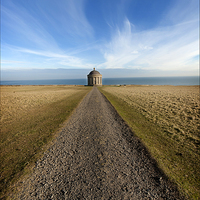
167 119
174 108
18 102
30 117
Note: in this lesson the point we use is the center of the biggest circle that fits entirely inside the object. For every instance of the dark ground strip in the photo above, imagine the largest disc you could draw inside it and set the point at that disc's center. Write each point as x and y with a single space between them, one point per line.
96 156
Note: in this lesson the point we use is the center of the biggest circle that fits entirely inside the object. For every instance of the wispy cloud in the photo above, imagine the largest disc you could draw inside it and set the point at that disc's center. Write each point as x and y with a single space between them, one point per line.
168 47
60 58
10 61
28 30
48 34
67 17
47 26
55 32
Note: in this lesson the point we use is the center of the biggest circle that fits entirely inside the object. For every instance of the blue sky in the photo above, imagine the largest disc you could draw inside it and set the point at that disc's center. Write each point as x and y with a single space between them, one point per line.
121 37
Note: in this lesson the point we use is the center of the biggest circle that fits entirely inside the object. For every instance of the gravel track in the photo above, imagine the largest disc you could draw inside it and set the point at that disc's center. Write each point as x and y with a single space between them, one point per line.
96 156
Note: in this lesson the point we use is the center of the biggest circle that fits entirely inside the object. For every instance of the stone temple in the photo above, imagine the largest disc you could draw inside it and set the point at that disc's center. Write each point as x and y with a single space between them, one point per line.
94 78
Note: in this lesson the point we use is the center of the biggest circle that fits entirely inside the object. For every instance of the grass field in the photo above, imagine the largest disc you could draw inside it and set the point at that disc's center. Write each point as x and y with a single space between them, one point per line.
30 117
167 120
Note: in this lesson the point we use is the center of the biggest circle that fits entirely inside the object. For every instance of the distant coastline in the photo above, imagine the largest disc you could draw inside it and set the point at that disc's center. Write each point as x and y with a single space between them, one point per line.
179 80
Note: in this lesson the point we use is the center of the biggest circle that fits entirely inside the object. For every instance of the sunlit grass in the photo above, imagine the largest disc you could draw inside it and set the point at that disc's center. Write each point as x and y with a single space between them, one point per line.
175 153
30 117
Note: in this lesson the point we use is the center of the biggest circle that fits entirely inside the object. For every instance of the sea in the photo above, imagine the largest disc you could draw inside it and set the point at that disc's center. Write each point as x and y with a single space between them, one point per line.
180 80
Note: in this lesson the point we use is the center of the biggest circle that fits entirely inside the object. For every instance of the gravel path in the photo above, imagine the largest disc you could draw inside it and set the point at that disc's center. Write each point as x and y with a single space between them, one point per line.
96 156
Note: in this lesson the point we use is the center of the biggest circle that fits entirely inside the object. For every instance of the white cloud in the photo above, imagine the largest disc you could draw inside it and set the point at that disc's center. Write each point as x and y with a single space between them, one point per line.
37 34
27 29
61 36
134 52
46 58
67 17
170 47
46 24
183 11
62 58
10 61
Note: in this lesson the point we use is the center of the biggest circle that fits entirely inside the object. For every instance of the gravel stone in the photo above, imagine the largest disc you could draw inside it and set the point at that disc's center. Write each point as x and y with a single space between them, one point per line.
97 156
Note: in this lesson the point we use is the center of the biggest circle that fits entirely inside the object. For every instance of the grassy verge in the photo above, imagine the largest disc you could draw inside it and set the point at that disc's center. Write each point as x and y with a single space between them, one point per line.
25 134
179 162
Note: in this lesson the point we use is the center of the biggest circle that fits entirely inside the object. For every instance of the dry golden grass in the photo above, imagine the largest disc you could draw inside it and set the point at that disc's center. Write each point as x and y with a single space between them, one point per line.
17 102
30 116
174 108
167 119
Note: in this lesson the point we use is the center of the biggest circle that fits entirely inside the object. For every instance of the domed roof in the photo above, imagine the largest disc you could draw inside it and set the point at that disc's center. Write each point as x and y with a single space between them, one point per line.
94 72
